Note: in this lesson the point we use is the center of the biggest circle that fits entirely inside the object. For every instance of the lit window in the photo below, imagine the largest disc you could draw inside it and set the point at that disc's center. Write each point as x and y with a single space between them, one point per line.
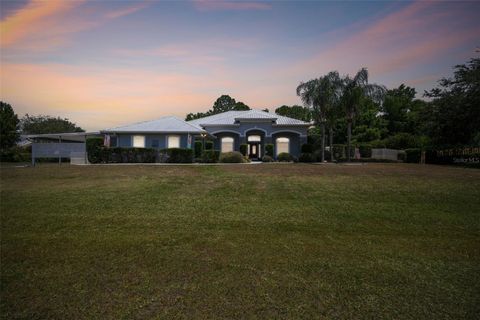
254 139
227 144
283 145
173 142
139 141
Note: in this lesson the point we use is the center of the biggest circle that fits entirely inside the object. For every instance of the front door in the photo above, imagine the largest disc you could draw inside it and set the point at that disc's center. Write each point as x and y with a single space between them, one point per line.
254 150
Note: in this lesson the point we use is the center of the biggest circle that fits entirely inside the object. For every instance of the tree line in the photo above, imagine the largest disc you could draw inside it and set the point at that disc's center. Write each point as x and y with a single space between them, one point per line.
11 127
354 111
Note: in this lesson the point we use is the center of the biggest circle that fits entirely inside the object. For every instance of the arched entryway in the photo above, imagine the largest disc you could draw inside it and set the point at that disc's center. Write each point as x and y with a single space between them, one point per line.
255 140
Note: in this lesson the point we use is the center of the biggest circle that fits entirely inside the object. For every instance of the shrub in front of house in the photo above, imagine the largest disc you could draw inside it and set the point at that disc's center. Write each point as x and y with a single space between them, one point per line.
232 157
16 154
267 159
339 151
401 156
286 157
413 155
243 149
365 150
210 156
307 157
198 149
208 145
179 155
318 155
269 149
127 155
93 146
307 148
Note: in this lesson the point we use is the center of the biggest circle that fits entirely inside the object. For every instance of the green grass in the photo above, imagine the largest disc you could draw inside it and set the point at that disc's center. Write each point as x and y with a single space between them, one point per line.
379 241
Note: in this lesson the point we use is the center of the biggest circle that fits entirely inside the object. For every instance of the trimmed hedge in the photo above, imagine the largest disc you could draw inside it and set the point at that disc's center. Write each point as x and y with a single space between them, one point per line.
178 155
208 145
286 157
232 157
339 151
318 155
307 148
413 155
365 150
269 149
267 159
94 146
243 149
15 154
210 156
198 149
307 157
124 155
97 153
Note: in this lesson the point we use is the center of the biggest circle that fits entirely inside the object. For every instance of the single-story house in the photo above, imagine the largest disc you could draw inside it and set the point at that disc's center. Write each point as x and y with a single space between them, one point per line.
228 131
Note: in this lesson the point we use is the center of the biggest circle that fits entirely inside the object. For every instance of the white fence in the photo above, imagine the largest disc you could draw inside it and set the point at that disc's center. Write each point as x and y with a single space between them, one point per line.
386 154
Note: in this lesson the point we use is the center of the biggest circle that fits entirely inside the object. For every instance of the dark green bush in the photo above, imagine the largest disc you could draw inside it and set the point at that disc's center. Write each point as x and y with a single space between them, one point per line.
318 155
365 150
307 157
94 146
243 149
198 149
267 159
210 156
307 148
285 157
208 145
127 155
413 155
16 154
178 155
269 149
339 151
401 156
400 141
231 157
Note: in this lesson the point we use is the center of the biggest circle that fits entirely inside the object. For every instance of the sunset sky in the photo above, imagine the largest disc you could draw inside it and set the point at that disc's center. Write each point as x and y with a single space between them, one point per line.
108 63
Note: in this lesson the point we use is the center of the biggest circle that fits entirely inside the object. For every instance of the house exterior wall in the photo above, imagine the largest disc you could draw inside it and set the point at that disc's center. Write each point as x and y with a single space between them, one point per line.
268 132
126 140
269 129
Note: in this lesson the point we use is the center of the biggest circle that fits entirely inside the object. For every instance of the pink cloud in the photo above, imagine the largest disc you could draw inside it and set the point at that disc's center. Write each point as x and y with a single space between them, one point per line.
415 35
98 97
33 19
126 11
209 5
47 25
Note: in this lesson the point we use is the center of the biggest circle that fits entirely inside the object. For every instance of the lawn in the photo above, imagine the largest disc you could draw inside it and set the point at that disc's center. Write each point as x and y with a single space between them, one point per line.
376 241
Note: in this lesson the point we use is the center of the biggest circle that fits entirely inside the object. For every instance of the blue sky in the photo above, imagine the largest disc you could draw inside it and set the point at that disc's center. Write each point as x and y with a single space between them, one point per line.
110 63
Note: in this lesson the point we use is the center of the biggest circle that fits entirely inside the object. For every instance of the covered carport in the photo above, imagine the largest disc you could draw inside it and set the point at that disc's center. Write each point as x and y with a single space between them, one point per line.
70 145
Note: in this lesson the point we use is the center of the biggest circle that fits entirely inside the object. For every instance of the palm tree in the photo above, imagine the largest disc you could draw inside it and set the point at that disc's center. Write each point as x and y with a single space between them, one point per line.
321 96
355 89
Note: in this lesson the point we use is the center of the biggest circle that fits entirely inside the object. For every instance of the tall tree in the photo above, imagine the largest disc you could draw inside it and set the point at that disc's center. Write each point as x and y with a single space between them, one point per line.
8 126
295 112
355 90
399 102
453 116
47 124
223 104
321 95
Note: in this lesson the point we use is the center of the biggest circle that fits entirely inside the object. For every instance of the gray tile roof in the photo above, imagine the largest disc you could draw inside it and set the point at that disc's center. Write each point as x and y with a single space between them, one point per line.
231 117
165 124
